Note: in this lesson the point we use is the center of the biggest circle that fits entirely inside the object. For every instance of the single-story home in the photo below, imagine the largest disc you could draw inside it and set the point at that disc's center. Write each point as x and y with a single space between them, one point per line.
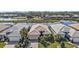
35 30
74 32
59 28
14 34
4 27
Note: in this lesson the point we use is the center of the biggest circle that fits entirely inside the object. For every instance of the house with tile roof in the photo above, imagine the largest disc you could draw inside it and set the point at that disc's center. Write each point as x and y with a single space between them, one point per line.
59 28
35 30
74 32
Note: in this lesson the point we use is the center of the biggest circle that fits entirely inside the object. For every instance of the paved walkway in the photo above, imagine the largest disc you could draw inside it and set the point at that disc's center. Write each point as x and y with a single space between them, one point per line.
10 45
34 44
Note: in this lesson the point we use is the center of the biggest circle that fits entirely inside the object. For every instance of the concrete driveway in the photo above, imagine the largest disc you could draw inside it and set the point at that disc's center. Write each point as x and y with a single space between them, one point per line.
33 43
10 45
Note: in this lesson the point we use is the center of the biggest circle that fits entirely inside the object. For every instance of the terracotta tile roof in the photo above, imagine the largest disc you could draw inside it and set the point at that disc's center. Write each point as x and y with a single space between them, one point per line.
39 27
75 26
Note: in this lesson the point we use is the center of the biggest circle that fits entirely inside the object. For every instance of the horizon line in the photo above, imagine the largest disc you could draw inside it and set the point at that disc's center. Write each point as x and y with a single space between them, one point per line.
40 11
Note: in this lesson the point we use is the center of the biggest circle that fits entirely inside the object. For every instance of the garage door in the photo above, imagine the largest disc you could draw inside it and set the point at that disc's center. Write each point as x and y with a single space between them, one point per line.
33 36
14 38
75 39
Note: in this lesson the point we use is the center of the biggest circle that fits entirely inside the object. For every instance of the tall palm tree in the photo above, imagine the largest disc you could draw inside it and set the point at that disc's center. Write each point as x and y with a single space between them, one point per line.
24 32
24 39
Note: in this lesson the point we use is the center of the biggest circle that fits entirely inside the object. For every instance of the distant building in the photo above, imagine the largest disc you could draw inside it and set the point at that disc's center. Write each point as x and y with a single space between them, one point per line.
66 16
75 16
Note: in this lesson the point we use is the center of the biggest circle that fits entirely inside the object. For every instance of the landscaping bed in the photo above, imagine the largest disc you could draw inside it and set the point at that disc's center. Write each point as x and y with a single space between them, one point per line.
57 45
57 42
2 44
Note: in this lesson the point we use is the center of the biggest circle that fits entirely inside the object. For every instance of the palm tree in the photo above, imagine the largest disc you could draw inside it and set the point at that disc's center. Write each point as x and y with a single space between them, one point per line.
24 39
24 32
62 45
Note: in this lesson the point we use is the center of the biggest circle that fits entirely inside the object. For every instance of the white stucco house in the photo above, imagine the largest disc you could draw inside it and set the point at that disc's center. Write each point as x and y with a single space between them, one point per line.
72 29
3 27
14 34
59 28
74 32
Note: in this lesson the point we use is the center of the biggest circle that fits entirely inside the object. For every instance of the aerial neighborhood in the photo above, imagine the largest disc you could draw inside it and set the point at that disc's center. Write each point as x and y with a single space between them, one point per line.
39 29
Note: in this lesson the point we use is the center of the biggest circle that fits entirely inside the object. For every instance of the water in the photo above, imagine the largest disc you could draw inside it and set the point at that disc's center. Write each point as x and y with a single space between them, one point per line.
68 22
7 19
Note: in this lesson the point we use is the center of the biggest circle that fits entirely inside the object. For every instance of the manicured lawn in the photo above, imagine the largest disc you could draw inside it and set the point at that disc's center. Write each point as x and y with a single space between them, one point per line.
2 44
57 45
51 45
70 45
40 45
54 45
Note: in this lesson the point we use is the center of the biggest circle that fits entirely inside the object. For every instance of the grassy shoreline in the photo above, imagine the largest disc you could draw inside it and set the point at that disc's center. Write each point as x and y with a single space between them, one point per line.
40 20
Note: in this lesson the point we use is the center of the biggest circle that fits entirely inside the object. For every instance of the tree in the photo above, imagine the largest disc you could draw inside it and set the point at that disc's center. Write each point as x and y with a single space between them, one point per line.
21 40
62 45
46 39
6 39
29 28
50 38
24 39
59 38
24 32
29 17
41 33
26 43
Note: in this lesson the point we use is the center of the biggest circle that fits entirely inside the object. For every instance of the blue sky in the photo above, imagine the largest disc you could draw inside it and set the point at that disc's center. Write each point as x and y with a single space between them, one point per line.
39 5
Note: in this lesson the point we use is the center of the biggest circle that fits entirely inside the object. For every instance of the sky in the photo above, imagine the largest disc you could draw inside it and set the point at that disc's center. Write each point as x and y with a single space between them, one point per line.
39 5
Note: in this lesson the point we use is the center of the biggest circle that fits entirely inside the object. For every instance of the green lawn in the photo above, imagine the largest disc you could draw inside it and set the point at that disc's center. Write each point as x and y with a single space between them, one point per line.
40 45
54 45
57 45
2 44
70 45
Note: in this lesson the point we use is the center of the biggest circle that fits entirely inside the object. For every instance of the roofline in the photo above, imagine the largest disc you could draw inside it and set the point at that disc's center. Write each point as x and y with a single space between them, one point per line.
71 27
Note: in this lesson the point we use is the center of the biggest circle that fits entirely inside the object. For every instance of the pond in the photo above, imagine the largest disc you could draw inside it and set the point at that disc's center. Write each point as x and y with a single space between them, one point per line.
67 22
7 19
